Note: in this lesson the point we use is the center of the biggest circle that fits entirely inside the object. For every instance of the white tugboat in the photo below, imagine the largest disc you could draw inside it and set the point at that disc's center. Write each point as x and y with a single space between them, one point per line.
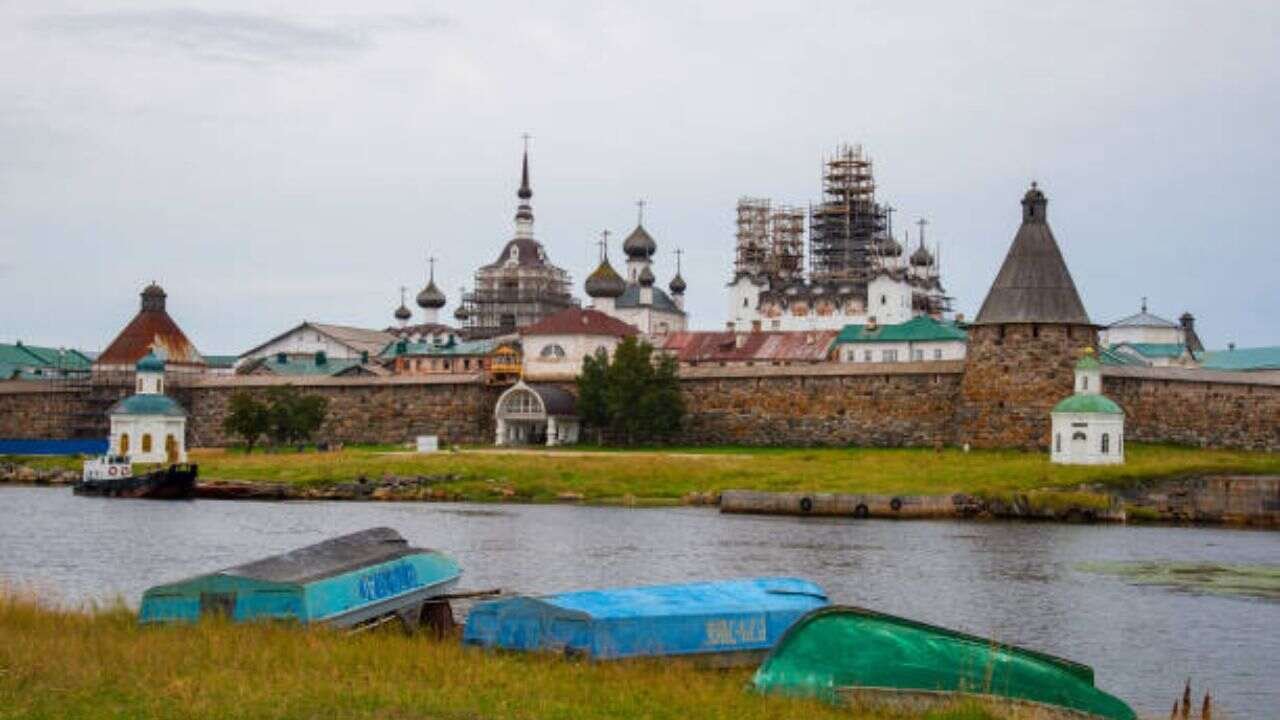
107 467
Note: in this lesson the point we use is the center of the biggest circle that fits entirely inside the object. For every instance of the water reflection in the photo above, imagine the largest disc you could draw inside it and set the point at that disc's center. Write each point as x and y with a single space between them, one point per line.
1013 582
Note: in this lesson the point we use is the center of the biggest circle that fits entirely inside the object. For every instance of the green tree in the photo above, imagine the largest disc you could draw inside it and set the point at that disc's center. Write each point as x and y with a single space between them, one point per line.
248 419
635 397
292 416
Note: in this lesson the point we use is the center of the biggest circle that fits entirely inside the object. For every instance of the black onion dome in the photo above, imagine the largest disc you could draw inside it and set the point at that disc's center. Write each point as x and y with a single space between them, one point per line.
461 314
921 257
890 247
402 312
639 244
431 298
677 285
605 282
646 277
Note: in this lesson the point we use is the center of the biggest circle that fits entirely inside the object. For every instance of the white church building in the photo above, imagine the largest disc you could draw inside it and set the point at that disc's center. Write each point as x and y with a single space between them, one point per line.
149 426
1088 427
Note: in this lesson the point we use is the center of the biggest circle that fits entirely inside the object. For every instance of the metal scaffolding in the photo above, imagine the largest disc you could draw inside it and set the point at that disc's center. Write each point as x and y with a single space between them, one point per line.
753 247
848 221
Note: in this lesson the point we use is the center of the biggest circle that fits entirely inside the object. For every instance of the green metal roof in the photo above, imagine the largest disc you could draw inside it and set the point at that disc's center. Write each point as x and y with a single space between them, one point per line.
221 361
307 366
470 347
1088 404
148 405
150 363
1156 350
1107 356
25 355
917 329
1260 358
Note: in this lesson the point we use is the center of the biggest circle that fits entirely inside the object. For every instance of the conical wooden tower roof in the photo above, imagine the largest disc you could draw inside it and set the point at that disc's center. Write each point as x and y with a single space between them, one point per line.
1034 285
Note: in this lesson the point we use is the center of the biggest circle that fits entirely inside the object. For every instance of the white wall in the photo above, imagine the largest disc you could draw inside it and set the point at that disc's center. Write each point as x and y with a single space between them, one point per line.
888 300
303 341
158 426
856 352
1065 450
576 347
1115 336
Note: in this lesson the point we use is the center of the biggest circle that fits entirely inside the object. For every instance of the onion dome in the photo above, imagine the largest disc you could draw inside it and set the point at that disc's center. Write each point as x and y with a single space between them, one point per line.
646 277
431 298
889 247
677 285
150 363
639 245
402 313
153 297
921 257
605 282
461 314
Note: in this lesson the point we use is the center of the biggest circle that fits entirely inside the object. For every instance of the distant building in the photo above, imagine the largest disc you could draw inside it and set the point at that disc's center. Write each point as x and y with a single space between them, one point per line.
307 340
920 339
1087 427
496 360
555 347
317 365
855 271
221 364
748 349
1262 360
1154 341
149 426
536 414
521 287
20 361
636 300
151 331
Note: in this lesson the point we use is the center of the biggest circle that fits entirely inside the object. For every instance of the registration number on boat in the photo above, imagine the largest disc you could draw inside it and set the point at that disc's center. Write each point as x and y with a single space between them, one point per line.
736 631
388 581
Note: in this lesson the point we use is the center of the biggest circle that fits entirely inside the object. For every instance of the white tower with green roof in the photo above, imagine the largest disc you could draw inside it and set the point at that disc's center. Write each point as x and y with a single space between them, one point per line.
1088 427
149 426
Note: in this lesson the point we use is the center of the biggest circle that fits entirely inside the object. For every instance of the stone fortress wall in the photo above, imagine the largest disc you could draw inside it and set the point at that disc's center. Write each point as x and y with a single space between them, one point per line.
895 405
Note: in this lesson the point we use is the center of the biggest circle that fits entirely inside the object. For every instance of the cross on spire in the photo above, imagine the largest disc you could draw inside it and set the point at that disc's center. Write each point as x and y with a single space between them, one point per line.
889 210
402 289
604 245
679 252
431 274
922 222
640 212
1144 303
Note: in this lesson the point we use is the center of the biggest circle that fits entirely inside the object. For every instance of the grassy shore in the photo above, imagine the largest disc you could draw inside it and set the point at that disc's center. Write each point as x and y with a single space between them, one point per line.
101 664
670 474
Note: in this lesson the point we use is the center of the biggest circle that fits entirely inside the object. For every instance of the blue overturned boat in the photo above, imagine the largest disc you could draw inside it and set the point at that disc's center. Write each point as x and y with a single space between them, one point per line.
363 578
727 623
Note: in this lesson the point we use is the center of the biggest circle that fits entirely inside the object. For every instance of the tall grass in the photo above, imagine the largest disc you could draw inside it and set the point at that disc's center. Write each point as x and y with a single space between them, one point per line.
673 473
101 664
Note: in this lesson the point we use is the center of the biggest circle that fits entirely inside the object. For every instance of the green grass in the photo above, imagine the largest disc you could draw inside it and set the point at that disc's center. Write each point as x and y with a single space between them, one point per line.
100 664
670 474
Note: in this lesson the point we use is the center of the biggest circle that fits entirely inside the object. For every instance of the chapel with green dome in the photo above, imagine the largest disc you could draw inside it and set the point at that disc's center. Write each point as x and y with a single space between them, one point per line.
1088 427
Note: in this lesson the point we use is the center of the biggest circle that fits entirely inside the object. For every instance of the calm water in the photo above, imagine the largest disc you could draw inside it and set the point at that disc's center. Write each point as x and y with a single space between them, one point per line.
1013 582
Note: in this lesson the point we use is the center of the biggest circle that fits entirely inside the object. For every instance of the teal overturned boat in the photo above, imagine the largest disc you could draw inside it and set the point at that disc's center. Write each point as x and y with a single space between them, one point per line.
862 658
352 580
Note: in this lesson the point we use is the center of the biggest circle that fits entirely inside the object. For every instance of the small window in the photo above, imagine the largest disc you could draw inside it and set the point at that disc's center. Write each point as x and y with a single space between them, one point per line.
146 443
889 356
1106 443
884 300
1057 443
552 352
937 353
160 385
124 443
917 355
744 302
1084 382
866 356
139 384
1079 436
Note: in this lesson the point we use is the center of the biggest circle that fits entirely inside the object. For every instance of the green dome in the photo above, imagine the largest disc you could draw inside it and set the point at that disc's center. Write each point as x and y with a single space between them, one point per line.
148 405
1088 404
150 363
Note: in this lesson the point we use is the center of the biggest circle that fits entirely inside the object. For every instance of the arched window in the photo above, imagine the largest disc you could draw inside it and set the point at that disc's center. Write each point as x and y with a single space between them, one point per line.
1084 382
139 384
146 442
1057 443
171 448
160 385
124 443
551 352
1106 443
522 402
1079 436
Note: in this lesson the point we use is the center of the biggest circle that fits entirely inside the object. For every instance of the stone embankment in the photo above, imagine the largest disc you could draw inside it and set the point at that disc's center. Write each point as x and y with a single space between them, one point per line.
24 475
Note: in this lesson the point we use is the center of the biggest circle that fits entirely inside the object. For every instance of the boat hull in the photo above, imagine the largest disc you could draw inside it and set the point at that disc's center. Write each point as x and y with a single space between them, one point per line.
176 482
845 654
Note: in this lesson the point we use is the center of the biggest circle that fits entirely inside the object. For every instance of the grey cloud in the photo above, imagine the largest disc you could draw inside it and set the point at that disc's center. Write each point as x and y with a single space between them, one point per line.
236 36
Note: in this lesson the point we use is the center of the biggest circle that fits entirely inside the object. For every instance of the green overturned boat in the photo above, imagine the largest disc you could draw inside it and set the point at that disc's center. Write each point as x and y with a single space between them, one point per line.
866 659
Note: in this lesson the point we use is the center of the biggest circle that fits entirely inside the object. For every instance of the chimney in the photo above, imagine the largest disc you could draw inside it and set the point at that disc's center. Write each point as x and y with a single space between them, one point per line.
739 340
755 326
871 323
729 326
1231 346
959 318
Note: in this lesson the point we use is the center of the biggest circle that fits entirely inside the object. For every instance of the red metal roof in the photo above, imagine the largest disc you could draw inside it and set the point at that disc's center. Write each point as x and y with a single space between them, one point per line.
577 321
151 329
799 346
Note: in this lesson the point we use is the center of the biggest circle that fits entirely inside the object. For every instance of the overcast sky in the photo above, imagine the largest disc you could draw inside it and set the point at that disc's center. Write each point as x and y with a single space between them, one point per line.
269 162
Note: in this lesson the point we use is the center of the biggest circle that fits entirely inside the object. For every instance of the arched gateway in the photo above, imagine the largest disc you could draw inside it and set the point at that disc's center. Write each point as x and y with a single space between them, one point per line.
535 414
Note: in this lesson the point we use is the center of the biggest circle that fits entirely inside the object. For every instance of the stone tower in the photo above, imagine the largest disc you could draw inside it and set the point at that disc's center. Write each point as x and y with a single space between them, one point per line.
1024 341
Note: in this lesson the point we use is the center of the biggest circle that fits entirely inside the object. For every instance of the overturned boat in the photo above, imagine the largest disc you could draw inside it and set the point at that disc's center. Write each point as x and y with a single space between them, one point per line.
726 623
112 476
367 577
869 660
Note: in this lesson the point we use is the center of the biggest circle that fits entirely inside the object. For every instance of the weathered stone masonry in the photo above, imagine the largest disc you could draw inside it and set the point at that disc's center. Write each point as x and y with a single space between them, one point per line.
905 404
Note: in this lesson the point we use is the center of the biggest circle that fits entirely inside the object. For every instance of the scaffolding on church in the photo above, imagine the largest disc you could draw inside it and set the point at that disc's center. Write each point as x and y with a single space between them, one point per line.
845 225
753 248
786 250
